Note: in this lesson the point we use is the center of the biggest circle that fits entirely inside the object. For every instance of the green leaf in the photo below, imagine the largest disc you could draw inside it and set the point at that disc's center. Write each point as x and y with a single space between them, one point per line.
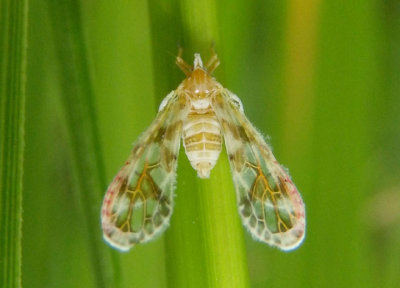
13 38
78 102
205 243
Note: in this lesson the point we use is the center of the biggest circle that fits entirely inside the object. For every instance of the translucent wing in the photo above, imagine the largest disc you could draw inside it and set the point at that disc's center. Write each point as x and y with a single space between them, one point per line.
269 204
139 201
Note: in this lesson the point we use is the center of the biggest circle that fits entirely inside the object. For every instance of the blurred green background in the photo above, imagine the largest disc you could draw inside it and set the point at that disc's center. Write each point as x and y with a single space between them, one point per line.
321 78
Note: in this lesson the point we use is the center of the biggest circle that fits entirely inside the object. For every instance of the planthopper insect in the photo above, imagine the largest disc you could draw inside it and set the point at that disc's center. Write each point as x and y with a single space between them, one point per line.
139 201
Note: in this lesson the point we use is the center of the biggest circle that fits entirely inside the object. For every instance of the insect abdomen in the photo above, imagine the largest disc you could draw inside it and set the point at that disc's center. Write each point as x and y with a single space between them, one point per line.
202 140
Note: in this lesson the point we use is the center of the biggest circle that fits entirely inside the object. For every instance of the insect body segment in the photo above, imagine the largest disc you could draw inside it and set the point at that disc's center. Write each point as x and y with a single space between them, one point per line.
202 140
139 202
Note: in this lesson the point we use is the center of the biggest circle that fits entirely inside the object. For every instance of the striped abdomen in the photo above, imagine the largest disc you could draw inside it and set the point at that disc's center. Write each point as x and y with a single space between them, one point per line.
202 140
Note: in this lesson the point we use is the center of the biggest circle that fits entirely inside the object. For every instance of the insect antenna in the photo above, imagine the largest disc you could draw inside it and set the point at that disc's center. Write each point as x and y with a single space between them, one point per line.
213 62
186 68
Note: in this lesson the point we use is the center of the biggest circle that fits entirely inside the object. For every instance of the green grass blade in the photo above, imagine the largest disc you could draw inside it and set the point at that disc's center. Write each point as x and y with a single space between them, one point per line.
13 38
205 243
78 101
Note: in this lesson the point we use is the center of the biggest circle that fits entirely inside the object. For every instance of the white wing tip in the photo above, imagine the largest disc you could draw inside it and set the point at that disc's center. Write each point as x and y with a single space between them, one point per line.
285 241
115 244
